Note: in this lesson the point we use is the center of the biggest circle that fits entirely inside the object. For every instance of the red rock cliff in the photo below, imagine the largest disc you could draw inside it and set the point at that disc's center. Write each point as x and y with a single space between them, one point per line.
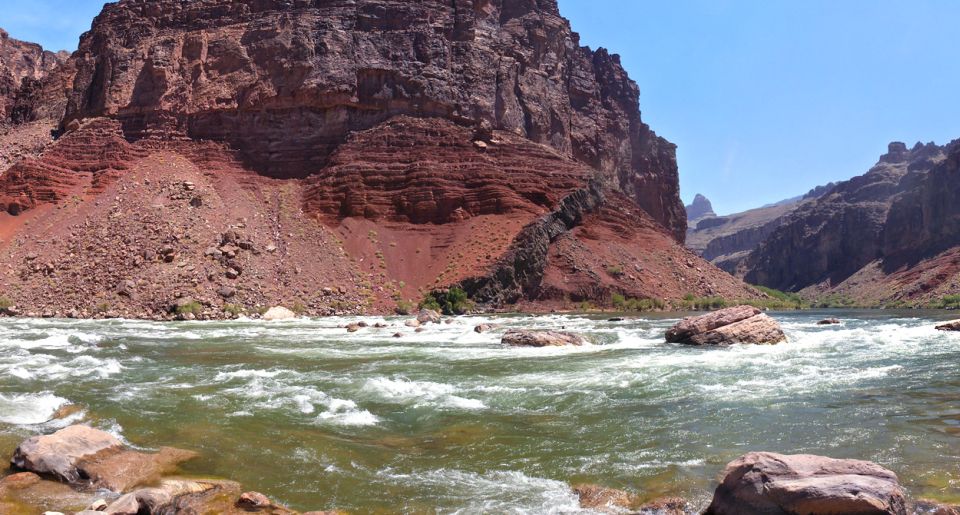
286 81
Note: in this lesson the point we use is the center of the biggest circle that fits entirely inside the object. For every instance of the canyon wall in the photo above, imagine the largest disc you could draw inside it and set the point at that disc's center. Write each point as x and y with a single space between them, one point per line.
286 81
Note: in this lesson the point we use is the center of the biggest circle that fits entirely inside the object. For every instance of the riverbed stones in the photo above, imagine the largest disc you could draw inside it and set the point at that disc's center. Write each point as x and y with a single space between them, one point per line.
279 313
763 483
521 338
61 454
949 326
740 324
484 328
604 500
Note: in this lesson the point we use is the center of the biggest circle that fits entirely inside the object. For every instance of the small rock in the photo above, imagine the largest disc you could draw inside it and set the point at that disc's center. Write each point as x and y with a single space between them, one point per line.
482 328
279 313
598 498
98 505
227 292
253 501
398 335
271 248
232 273
829 321
352 328
412 323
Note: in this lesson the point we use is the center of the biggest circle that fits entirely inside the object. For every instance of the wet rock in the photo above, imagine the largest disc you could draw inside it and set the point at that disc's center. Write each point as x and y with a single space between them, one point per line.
98 505
925 507
253 501
127 469
665 506
398 335
352 328
483 328
949 326
279 313
160 499
428 315
604 500
412 323
80 454
829 321
766 483
741 324
61 454
615 319
520 338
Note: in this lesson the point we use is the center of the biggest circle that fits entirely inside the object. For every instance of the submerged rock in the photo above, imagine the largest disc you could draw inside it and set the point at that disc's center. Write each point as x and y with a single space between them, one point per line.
761 483
604 500
740 324
483 328
279 313
949 326
829 321
520 338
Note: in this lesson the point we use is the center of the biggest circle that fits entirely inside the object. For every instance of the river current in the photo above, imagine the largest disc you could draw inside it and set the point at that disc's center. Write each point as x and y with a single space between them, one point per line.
449 421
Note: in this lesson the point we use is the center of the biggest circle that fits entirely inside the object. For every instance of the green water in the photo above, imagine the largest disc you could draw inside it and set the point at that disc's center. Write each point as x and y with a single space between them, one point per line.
448 421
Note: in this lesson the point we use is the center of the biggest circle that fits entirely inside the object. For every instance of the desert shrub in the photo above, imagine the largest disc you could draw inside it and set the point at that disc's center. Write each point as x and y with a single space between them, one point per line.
193 307
233 310
404 307
615 270
451 302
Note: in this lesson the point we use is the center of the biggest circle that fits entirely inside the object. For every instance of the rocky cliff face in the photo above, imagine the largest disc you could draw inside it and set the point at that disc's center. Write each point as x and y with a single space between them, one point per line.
886 215
284 82
699 209
23 67
343 156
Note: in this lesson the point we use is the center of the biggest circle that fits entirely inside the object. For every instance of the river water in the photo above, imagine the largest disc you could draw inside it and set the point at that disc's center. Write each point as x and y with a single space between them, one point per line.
448 420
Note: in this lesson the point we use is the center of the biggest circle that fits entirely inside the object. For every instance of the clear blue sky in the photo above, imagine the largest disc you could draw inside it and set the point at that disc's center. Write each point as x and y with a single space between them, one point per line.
766 99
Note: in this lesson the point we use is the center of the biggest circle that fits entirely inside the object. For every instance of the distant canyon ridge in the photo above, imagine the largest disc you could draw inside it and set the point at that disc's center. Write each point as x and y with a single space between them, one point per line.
889 237
207 159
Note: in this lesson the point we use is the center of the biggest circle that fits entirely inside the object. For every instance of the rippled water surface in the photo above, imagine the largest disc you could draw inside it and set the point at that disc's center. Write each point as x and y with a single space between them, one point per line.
448 420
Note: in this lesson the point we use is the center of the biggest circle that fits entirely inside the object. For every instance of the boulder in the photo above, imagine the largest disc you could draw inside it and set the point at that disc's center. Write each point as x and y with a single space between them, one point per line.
949 326
428 315
762 483
520 338
82 455
159 499
279 313
412 323
829 321
741 324
352 328
60 454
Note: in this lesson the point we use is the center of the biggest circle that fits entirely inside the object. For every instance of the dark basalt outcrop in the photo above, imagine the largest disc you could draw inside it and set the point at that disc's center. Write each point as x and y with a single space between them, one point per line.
285 82
828 240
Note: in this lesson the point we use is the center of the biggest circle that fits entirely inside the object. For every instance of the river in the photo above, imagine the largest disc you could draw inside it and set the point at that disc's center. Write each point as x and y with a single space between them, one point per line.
449 421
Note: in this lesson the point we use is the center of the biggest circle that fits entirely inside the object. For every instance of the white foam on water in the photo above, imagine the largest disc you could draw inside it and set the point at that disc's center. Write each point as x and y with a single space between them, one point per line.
492 492
420 393
29 409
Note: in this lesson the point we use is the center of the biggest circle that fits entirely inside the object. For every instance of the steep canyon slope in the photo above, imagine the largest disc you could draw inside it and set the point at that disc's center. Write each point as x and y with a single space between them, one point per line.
888 236
342 155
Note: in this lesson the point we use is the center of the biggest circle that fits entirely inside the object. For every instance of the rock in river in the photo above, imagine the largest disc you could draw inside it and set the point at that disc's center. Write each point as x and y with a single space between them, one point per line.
519 338
279 313
949 326
829 321
741 324
767 483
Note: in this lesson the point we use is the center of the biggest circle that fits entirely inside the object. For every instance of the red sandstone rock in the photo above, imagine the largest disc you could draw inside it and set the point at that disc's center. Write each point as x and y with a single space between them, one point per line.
763 483
520 338
741 324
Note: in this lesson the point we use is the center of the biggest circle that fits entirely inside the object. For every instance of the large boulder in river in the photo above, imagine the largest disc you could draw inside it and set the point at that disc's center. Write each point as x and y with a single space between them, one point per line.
763 483
428 315
520 338
949 326
83 455
740 324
